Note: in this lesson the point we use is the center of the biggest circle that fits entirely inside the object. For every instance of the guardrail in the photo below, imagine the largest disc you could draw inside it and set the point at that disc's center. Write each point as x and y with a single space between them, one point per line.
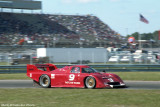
107 68
12 69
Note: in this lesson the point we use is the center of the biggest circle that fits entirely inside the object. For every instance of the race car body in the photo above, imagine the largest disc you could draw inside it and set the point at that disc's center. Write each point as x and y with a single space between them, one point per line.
80 76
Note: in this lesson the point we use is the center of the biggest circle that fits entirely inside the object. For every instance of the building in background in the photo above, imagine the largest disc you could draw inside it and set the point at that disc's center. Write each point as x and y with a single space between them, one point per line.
21 4
74 55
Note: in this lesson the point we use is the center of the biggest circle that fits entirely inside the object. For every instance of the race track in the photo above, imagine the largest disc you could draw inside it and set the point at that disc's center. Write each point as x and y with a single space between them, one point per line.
130 84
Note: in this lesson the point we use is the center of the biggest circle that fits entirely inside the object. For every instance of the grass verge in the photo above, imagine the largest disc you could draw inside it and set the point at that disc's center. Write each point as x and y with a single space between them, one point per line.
139 76
17 76
64 97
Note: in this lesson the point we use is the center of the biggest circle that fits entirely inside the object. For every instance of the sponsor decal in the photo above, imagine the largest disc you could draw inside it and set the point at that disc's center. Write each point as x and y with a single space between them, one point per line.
30 75
61 69
52 76
111 80
69 82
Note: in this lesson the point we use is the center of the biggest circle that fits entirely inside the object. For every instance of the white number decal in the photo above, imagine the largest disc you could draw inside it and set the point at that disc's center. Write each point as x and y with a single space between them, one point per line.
30 74
53 76
71 77
111 80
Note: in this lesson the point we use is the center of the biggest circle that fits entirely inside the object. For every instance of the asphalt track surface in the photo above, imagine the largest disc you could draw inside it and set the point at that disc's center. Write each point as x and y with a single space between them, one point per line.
130 84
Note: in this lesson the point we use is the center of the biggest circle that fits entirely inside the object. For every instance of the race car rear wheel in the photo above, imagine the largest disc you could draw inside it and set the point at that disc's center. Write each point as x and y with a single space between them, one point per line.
90 82
45 81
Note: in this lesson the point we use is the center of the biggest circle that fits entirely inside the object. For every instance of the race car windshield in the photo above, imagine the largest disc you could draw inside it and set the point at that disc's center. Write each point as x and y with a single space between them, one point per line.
89 70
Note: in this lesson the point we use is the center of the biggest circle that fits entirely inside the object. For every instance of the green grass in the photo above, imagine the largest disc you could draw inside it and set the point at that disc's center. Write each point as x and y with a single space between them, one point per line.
19 76
4 63
71 97
64 97
139 76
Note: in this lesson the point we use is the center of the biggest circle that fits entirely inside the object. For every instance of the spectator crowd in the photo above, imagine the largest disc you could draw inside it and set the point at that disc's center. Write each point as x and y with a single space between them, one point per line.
49 29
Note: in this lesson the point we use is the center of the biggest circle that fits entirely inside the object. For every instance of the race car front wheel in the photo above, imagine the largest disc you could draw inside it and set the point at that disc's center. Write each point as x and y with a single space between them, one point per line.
45 81
90 82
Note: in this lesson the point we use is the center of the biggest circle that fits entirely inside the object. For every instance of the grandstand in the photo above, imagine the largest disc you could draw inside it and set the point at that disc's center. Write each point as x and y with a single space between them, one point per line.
55 30
22 33
52 30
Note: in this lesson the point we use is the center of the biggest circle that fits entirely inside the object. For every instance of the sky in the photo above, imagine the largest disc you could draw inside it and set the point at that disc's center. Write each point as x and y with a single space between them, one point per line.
120 15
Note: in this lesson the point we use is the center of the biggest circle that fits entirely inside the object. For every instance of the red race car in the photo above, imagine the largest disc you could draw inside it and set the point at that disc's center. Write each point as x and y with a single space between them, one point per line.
80 76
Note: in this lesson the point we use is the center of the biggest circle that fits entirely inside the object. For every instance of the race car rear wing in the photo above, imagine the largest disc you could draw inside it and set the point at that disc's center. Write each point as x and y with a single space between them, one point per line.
40 67
46 67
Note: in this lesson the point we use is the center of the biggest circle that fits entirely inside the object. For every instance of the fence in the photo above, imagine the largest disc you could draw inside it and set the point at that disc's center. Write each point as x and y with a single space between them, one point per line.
95 57
107 68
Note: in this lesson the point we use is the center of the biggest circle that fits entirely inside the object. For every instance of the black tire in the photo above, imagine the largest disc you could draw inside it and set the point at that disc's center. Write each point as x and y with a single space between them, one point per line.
90 82
45 81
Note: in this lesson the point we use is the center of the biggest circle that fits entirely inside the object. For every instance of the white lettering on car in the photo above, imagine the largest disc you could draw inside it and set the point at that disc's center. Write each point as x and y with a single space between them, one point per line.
30 75
111 80
52 76
68 82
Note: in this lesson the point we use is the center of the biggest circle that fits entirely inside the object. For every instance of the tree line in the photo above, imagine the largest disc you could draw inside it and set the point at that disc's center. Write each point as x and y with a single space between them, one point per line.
145 36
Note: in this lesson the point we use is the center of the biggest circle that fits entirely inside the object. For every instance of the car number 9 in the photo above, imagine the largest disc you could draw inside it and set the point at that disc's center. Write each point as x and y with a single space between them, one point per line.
71 77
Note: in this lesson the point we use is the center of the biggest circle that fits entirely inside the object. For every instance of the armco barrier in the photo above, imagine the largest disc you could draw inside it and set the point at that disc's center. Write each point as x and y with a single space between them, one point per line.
12 69
107 68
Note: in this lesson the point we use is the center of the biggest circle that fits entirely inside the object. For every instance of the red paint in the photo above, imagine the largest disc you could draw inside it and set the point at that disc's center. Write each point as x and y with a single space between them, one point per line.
64 77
